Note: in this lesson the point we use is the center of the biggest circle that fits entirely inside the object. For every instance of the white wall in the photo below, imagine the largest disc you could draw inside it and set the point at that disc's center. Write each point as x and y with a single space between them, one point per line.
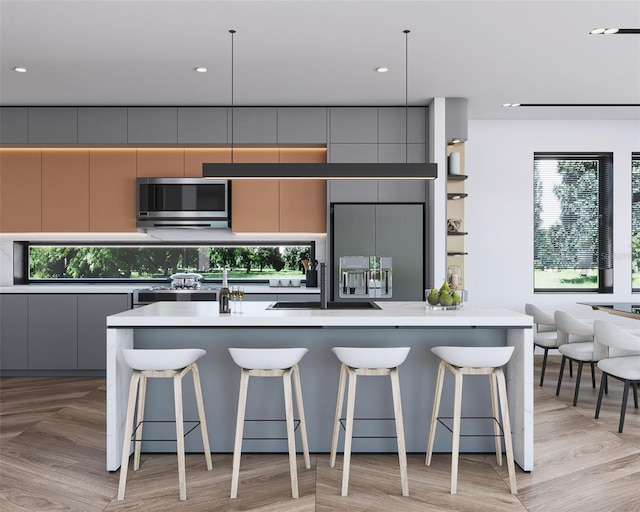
499 209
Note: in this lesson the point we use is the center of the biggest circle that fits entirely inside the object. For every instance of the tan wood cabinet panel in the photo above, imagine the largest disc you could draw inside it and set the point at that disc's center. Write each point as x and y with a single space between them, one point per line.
160 163
303 206
195 157
20 190
112 190
303 203
255 206
303 155
65 190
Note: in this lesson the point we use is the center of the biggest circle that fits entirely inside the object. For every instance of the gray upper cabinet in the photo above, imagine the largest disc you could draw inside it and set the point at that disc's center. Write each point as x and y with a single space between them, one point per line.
152 125
53 332
402 191
13 332
401 153
53 125
255 125
202 125
353 153
353 125
92 327
353 191
13 125
392 125
302 125
102 125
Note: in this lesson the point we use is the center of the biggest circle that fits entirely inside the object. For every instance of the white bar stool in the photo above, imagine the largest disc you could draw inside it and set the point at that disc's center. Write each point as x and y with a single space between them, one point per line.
474 361
378 361
161 363
271 362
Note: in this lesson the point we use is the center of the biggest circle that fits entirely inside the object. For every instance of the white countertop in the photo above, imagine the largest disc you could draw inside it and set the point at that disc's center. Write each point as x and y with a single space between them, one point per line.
128 288
255 314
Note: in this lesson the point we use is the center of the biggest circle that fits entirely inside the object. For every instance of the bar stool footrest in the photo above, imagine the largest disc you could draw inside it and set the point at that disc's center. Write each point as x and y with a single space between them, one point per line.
133 435
296 424
440 418
342 420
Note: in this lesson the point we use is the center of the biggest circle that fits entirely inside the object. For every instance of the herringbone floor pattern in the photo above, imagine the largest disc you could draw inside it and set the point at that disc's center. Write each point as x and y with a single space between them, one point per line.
52 440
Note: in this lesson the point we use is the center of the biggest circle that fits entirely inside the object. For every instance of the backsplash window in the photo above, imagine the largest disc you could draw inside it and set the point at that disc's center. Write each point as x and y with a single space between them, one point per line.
122 263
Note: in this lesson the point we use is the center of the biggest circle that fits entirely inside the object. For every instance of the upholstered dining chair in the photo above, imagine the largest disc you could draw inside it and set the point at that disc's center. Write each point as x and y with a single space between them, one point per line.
575 343
545 335
618 351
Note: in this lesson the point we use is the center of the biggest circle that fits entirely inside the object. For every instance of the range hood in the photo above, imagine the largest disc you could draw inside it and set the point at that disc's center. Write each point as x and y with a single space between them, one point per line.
337 171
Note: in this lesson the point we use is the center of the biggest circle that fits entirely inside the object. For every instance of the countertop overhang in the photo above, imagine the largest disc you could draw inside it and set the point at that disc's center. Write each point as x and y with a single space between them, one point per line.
256 314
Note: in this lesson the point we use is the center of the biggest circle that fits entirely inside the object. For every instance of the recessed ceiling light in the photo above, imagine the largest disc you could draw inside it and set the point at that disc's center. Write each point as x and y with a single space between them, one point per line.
382 70
20 69
597 31
511 104
201 69
611 30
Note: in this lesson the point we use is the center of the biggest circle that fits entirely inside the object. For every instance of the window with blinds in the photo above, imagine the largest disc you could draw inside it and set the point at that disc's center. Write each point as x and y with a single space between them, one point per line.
635 221
573 222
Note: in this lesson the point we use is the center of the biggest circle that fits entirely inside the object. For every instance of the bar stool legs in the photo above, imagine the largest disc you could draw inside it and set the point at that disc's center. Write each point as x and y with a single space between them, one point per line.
353 373
137 389
286 375
496 380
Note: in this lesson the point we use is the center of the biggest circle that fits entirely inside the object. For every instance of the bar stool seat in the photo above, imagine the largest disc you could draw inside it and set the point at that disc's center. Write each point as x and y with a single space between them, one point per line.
367 361
474 361
271 362
161 363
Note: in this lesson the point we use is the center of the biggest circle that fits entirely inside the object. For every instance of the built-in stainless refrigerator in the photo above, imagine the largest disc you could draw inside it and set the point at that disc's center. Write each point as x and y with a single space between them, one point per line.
382 230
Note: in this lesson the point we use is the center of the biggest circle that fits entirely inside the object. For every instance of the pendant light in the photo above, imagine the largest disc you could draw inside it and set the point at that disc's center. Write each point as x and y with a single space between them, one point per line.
350 171
232 32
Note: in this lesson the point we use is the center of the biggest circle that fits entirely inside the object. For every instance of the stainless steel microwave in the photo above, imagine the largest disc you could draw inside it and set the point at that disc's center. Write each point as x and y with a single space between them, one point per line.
182 203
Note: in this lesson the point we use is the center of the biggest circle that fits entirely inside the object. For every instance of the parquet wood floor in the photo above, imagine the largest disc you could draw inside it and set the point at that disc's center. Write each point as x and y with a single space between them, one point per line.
52 440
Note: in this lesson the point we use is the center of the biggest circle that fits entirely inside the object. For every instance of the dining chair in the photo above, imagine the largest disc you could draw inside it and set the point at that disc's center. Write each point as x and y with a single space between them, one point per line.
618 351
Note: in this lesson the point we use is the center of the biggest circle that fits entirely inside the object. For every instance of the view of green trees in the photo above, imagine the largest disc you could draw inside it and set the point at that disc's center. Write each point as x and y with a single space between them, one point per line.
635 222
566 224
148 262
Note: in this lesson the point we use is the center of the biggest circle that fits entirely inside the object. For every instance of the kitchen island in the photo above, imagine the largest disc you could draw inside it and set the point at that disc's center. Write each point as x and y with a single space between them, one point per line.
199 325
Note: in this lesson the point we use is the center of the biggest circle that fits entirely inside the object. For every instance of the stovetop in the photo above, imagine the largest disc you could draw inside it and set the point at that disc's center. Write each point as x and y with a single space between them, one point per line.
170 289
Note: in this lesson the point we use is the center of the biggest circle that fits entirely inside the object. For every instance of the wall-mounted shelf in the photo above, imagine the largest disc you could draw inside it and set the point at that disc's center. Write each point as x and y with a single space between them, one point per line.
456 177
456 233
456 195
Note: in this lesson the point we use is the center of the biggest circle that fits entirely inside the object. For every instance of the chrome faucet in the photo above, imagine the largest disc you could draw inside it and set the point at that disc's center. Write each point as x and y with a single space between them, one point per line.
323 286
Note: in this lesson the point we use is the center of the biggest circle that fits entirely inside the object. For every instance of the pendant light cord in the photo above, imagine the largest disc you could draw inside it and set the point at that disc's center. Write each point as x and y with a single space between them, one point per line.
232 32
406 96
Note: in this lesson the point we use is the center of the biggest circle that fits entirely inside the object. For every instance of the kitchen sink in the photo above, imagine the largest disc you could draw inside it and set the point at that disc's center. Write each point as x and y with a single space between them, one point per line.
330 305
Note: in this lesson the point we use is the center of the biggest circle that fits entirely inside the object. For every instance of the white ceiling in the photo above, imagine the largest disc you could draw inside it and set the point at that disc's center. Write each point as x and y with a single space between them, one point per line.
117 52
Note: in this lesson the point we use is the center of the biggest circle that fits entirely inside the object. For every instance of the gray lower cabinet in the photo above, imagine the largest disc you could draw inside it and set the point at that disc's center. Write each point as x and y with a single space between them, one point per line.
152 125
13 125
53 332
53 125
44 332
258 297
13 332
102 125
92 334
